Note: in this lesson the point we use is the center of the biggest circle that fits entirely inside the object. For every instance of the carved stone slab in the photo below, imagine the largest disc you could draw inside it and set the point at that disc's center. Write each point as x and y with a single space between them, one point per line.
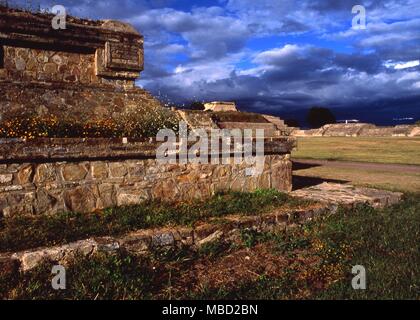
123 56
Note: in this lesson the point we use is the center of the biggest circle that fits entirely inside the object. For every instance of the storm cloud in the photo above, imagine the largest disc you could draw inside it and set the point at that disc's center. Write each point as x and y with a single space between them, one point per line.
277 56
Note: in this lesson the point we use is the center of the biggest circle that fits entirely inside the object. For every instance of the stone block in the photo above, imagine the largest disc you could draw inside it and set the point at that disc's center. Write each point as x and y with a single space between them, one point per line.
80 199
99 170
6 178
163 240
165 189
136 242
107 196
45 173
61 254
20 64
26 174
74 172
131 196
45 202
211 238
118 170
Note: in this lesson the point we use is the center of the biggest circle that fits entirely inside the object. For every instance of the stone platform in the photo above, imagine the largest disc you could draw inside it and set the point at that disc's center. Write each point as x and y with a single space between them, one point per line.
46 176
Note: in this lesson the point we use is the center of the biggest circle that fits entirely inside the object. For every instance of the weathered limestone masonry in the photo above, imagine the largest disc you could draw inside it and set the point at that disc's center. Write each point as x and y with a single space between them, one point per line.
52 175
86 71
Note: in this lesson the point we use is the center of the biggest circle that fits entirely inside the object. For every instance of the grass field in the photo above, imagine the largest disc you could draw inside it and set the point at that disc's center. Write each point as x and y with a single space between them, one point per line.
313 261
380 179
399 150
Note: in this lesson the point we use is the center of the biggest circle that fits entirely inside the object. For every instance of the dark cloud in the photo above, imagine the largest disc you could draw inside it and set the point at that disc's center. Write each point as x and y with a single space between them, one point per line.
339 5
370 63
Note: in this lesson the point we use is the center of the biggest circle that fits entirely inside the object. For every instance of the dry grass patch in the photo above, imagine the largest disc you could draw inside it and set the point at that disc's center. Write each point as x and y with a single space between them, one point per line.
402 150
389 180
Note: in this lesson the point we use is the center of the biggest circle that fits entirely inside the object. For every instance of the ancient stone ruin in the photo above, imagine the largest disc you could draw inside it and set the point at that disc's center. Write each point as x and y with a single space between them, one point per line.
88 71
220 106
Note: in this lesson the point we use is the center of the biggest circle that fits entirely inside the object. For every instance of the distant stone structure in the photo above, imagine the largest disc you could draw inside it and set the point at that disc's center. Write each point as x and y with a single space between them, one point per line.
347 121
359 130
86 71
220 106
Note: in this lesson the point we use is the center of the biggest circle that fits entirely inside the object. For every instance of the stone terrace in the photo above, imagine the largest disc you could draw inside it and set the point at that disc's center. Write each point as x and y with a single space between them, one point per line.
52 175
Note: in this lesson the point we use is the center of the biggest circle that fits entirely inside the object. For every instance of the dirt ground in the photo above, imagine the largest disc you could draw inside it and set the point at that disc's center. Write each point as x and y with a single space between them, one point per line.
232 269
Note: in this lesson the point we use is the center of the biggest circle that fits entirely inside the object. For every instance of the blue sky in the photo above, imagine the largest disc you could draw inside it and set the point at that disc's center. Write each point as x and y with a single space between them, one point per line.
277 56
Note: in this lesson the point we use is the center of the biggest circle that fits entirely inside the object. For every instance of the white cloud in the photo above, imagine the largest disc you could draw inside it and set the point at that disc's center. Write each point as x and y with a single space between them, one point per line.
409 76
401 65
277 55
409 64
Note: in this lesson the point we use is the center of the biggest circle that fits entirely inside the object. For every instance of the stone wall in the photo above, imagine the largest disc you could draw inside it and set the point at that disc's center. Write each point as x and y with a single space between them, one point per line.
86 71
72 101
28 64
73 174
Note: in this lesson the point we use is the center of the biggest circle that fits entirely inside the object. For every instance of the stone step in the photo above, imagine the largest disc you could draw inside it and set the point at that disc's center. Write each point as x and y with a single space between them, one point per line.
346 194
279 123
328 196
143 242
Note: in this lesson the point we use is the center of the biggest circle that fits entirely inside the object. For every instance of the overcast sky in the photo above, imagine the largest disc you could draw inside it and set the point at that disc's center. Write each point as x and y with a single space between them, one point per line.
277 56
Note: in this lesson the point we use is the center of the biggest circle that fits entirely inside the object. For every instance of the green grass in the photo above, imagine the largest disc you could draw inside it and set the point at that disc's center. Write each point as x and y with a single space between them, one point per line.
399 150
23 232
101 277
387 244
385 241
